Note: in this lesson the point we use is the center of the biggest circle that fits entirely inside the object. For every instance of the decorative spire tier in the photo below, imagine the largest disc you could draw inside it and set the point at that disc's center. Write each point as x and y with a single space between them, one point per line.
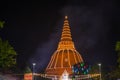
66 34
66 39
66 55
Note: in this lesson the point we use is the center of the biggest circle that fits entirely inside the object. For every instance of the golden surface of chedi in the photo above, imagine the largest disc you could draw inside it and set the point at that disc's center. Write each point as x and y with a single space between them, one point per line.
66 55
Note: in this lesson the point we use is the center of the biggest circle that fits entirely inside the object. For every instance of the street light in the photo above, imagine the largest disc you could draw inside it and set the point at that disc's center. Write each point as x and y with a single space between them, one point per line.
33 69
100 70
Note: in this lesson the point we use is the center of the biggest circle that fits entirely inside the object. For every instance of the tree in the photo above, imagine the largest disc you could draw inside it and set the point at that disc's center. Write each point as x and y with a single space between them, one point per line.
115 74
27 70
1 24
7 55
118 52
94 69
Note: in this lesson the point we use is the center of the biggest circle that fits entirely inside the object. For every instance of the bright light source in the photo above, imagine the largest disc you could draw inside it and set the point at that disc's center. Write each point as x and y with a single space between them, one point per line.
99 64
34 64
65 75
100 70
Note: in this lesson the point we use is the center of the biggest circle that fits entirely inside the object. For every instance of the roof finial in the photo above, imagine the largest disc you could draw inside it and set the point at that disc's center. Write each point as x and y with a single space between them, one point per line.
66 17
66 34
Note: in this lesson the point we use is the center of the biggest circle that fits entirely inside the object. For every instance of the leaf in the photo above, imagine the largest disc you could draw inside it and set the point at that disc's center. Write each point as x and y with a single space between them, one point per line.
2 24
7 55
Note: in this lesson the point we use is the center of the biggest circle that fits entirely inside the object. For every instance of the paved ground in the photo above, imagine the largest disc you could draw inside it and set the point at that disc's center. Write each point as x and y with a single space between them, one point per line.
8 77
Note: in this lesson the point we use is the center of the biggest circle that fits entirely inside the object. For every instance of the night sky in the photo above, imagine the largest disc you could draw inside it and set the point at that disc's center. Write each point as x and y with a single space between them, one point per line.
34 29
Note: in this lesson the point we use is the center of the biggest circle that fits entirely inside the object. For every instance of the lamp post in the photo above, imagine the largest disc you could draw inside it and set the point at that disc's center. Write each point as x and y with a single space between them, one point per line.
33 69
100 70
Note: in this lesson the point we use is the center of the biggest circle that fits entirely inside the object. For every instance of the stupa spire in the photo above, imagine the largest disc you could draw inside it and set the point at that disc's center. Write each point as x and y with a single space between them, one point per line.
66 34
66 39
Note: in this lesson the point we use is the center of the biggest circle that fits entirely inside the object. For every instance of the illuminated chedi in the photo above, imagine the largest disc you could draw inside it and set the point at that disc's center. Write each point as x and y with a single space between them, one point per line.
66 55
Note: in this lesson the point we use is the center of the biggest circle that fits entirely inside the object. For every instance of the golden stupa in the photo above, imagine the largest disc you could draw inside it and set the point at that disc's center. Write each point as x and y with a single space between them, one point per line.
66 55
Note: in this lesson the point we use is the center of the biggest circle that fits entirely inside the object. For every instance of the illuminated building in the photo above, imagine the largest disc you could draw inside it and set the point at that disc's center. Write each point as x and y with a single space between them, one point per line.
65 56
63 59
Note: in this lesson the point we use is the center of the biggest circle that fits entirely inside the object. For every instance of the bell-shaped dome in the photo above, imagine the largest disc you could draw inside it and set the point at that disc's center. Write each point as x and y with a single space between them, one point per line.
65 56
